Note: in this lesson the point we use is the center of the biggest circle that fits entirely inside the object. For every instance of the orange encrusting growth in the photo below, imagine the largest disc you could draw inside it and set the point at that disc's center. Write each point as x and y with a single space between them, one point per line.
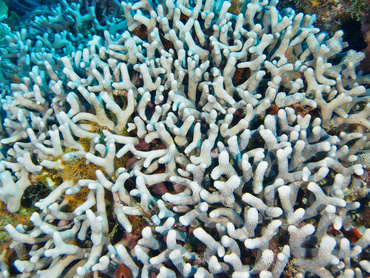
78 169
6 217
77 199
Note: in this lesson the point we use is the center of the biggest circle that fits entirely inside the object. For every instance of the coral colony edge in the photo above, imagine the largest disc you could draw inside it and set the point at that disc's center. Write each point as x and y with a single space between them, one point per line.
183 138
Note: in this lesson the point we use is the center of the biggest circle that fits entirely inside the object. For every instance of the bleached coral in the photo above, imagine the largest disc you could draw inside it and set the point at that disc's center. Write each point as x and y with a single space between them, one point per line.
194 135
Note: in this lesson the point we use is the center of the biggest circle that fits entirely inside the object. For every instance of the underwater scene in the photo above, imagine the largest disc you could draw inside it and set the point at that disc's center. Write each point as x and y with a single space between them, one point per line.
185 138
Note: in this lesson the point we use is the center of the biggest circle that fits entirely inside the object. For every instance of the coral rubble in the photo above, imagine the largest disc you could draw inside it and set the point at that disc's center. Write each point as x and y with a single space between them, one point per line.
184 138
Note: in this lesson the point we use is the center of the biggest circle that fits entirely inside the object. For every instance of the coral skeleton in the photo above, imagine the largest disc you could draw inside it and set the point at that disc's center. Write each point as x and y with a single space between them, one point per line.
184 138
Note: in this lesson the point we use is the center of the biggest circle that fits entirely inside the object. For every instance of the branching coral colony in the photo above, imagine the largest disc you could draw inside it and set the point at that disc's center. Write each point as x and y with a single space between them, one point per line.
184 139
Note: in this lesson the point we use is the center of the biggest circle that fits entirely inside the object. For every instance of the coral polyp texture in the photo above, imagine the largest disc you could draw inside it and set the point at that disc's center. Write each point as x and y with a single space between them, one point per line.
184 139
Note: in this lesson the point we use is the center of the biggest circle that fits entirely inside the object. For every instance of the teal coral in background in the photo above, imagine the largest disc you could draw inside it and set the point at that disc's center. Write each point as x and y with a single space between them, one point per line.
3 10
4 29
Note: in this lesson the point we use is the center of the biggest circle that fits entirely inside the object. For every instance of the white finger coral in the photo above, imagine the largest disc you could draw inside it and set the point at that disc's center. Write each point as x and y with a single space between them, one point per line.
195 138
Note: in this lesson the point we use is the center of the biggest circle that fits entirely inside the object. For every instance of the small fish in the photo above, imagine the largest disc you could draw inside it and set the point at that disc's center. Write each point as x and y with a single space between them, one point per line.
353 235
123 272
